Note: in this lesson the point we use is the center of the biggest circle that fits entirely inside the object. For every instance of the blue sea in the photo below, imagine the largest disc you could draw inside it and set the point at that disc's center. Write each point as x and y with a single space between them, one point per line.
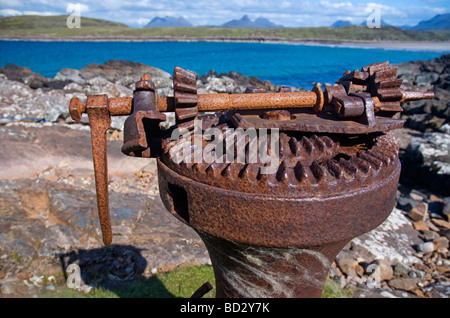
283 64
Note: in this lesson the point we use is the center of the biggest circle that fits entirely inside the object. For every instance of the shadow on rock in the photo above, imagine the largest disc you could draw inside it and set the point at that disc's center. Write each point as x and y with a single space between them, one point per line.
117 268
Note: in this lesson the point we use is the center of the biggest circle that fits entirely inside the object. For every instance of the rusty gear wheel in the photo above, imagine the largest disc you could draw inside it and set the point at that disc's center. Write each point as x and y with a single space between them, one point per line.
310 164
381 82
185 97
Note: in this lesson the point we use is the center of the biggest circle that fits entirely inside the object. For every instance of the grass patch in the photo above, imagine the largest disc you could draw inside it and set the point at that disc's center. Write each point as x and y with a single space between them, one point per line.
180 283
55 26
333 290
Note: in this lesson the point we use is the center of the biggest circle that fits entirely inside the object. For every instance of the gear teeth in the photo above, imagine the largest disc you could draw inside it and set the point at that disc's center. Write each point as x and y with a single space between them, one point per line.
375 162
379 155
334 169
302 173
214 170
315 165
317 171
355 77
262 177
308 146
391 107
321 145
244 172
384 75
328 141
285 149
226 172
387 94
391 83
375 67
282 173
184 76
295 146
199 167
348 167
361 164
185 97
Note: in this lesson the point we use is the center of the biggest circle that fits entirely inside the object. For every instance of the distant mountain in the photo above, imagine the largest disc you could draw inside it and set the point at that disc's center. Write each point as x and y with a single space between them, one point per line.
383 23
265 23
346 23
341 23
168 22
245 22
439 22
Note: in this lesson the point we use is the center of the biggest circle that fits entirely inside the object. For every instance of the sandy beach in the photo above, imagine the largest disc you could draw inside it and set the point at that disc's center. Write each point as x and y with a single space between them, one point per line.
405 45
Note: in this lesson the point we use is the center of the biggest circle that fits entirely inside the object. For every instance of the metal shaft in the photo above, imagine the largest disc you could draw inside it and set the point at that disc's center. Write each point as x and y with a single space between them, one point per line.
223 102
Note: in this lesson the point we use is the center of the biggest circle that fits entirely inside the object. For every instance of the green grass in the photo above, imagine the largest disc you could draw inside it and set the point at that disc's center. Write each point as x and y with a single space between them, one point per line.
55 27
180 283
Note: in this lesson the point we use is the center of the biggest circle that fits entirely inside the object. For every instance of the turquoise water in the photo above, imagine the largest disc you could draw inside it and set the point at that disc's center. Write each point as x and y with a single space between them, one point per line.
283 64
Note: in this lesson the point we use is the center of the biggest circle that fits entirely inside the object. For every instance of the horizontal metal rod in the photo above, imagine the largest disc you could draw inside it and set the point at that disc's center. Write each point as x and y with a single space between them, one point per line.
223 102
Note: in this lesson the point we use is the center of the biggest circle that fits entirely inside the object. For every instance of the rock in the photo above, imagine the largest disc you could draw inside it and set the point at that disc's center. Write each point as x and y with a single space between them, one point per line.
350 267
417 195
438 290
70 74
427 247
402 270
441 223
441 243
33 80
392 240
445 232
115 70
407 284
429 235
381 270
419 212
446 208
427 160
421 226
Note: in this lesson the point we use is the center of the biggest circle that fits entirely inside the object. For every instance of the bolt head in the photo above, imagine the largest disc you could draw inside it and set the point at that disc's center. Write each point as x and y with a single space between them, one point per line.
76 109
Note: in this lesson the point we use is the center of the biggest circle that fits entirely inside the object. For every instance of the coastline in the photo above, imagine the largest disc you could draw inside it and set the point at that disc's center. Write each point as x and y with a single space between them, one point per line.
402 45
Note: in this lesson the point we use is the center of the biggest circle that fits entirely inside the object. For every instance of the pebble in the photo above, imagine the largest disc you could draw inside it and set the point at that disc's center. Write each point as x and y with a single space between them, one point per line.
421 226
441 223
382 270
419 212
7 289
429 235
441 243
426 247
407 284
402 269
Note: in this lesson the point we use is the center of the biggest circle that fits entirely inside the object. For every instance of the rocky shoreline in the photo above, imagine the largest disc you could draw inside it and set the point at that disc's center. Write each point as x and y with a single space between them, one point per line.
47 196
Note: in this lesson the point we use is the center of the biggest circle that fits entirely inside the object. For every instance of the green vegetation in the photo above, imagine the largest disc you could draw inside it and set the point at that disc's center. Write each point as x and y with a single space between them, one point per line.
55 27
180 283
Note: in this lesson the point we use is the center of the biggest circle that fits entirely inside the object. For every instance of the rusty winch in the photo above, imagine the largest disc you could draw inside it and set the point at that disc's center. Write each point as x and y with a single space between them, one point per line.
271 227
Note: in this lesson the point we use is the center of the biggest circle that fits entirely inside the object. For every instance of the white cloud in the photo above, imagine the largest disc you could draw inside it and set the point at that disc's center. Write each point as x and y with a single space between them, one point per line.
291 13
10 12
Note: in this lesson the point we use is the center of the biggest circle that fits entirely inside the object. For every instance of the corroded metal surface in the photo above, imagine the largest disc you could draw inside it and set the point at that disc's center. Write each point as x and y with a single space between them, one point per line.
268 234
99 121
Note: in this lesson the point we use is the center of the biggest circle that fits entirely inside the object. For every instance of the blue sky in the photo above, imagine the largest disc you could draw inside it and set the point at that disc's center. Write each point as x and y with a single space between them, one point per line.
202 12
